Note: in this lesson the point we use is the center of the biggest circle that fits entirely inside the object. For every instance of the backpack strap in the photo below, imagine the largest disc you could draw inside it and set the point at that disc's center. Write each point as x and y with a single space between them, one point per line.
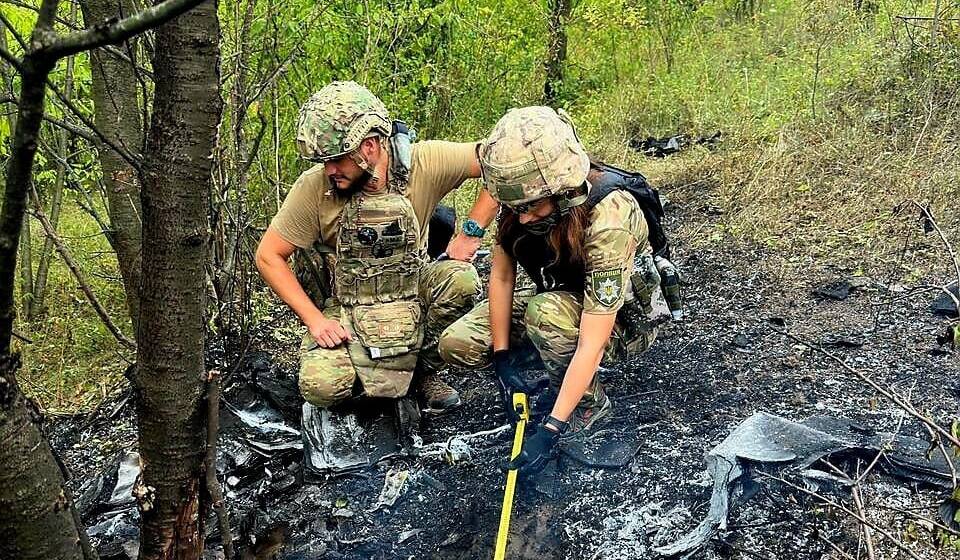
647 197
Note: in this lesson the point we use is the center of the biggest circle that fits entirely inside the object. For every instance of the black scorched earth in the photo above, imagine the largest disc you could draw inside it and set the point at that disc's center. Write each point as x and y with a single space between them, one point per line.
703 377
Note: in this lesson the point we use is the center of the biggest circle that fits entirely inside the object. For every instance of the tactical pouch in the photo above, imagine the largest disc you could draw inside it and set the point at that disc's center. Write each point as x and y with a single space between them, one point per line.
389 329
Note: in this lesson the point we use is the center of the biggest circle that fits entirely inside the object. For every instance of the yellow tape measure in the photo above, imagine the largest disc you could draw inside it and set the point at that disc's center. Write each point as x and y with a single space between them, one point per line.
520 405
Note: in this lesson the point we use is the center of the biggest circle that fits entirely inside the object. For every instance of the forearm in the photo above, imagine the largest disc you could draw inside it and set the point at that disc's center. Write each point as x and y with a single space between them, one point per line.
501 306
579 375
484 209
277 274
503 277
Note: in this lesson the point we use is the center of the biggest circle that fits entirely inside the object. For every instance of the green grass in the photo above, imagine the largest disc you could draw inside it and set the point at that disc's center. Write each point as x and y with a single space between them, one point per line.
74 361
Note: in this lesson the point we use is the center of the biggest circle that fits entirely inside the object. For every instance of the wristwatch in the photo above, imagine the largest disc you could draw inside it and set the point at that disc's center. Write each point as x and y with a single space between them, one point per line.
472 228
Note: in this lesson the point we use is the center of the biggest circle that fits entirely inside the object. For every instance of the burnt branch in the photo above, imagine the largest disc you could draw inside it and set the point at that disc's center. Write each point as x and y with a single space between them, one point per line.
860 518
929 219
213 485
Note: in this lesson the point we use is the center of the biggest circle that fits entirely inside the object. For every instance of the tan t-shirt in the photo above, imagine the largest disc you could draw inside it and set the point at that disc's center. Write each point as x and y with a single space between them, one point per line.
311 211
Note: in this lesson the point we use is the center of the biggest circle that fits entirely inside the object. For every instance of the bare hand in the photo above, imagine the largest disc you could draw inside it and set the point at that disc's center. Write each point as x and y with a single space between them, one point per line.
329 333
463 247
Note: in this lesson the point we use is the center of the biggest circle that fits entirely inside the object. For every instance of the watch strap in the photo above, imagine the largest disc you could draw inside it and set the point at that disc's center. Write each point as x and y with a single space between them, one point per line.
472 228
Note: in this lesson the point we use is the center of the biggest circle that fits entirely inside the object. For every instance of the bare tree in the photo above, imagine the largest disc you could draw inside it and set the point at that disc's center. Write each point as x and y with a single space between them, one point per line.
171 378
118 117
556 48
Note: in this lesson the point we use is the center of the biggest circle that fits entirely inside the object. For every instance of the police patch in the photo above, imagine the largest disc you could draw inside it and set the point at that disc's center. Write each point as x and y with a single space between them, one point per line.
607 285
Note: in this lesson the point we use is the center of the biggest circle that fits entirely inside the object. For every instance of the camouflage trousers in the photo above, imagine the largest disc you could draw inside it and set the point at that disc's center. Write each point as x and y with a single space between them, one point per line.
550 321
448 289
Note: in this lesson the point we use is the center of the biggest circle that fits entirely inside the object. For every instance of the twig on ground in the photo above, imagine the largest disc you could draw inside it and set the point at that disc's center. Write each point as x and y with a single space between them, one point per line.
953 255
916 290
439 449
911 515
846 510
22 337
889 442
858 500
836 548
946 456
885 391
213 485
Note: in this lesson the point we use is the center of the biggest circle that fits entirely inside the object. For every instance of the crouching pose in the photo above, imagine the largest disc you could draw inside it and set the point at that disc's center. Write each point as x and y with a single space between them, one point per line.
582 232
365 207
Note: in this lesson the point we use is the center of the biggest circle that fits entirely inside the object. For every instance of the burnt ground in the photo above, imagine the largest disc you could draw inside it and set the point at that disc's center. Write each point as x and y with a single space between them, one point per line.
701 378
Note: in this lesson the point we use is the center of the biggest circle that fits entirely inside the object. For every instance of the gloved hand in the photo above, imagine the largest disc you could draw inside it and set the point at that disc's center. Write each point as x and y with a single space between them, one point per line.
537 452
511 381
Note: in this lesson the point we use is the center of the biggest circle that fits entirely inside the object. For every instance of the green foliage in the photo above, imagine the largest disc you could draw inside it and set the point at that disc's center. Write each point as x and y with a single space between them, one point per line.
793 80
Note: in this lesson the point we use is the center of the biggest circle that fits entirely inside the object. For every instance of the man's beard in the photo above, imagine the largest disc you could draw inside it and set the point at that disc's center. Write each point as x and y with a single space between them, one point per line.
355 185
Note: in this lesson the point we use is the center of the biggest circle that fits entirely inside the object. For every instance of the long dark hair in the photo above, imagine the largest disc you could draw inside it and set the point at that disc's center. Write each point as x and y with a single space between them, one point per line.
566 239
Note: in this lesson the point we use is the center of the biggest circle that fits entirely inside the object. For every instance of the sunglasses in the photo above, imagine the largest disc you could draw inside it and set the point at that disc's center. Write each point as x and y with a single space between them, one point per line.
525 207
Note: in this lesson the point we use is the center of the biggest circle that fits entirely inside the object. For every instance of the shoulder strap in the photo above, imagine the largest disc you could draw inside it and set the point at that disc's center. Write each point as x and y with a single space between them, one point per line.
615 179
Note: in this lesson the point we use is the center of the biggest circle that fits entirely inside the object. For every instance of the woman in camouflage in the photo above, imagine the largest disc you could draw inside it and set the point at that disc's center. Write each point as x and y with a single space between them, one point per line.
576 229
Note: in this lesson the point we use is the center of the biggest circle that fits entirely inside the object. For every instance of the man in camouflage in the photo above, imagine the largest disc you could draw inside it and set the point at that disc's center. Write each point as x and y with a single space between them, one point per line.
372 304
580 312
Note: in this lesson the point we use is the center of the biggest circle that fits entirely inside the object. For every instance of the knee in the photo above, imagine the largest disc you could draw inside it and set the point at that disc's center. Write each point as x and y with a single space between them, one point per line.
458 348
552 321
556 313
323 384
464 285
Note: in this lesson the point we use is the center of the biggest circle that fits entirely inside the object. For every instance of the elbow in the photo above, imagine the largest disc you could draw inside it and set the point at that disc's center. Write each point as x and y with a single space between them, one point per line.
262 259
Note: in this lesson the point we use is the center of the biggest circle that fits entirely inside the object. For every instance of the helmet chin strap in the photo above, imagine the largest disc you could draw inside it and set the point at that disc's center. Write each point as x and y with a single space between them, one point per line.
363 164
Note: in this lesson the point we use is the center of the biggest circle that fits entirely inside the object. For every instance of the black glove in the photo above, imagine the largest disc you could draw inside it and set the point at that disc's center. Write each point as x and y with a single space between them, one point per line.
536 453
511 381
509 376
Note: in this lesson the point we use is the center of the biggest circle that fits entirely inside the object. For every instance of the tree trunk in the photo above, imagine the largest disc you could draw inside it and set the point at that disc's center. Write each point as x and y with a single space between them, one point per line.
26 255
37 518
36 512
170 383
556 48
117 116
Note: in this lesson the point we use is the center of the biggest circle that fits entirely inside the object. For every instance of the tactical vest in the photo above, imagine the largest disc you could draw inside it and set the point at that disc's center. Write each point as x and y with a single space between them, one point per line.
535 256
376 281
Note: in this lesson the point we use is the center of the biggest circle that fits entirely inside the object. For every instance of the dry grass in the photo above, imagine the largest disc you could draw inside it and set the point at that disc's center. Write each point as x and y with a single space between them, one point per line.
834 195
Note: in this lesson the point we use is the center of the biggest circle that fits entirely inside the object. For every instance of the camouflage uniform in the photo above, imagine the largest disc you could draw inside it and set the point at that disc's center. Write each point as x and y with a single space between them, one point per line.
550 320
531 154
373 277
447 289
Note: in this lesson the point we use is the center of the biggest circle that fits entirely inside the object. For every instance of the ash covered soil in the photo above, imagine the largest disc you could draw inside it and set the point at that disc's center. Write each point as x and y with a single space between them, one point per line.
700 379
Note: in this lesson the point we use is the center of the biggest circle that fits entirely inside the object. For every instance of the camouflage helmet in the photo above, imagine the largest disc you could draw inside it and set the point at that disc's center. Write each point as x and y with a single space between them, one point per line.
534 153
337 118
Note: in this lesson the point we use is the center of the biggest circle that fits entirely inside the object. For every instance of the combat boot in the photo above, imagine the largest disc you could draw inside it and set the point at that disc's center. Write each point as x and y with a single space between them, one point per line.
436 395
586 420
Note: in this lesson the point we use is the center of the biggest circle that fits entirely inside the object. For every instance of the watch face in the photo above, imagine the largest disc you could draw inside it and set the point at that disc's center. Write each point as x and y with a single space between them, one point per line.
473 229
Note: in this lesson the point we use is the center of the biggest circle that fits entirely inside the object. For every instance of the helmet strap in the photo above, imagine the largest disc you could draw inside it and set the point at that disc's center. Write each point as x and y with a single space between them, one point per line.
364 164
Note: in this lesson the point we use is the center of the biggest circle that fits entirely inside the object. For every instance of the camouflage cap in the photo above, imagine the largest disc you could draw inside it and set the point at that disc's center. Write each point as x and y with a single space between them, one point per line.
533 153
337 118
